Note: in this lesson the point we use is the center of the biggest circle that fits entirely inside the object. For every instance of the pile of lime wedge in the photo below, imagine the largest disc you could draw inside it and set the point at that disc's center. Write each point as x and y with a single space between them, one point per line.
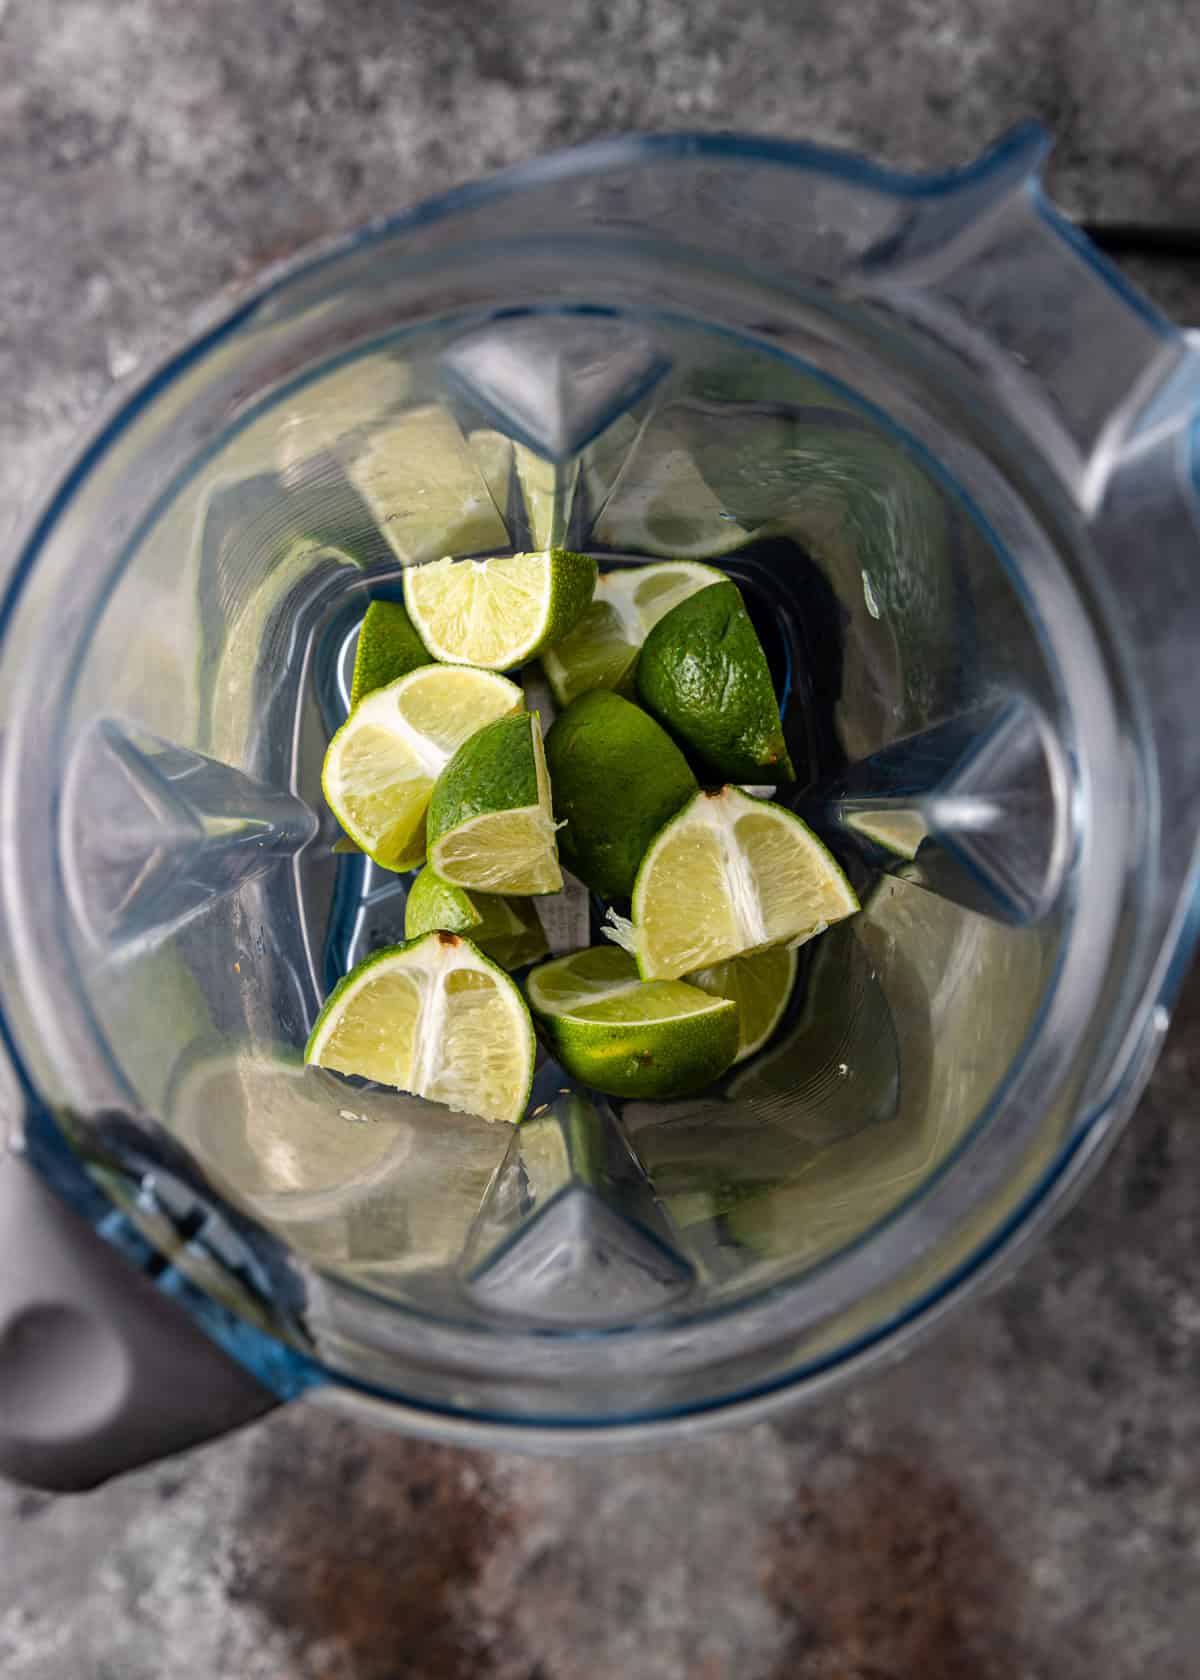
639 787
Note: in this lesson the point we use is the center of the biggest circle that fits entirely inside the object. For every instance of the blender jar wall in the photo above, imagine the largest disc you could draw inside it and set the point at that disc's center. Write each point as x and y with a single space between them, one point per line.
1041 686
202 883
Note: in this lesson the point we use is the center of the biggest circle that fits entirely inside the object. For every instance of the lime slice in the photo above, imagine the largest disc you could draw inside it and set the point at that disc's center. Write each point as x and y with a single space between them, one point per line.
509 932
497 613
490 827
704 675
729 874
434 1017
661 503
617 778
629 1037
601 651
760 984
424 486
381 765
388 648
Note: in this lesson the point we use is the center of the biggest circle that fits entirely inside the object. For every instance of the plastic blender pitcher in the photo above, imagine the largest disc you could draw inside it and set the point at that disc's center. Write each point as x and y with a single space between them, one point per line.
950 457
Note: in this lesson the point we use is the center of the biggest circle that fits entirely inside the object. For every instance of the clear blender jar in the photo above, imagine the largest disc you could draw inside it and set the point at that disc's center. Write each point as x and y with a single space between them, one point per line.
949 456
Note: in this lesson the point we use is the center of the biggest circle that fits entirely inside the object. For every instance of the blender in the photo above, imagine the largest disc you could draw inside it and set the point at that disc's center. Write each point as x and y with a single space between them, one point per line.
950 457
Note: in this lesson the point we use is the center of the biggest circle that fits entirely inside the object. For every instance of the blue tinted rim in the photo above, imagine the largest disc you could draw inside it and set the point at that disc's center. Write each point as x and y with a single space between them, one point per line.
1027 146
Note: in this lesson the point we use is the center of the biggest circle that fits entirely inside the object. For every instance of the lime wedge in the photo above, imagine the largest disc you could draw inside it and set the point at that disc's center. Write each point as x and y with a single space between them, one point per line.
381 765
507 931
490 826
602 650
617 778
434 1017
388 648
497 613
704 675
629 1037
728 875
760 984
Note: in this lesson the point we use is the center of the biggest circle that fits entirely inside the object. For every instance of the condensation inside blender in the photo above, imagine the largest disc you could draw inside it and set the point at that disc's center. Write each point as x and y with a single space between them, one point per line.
213 910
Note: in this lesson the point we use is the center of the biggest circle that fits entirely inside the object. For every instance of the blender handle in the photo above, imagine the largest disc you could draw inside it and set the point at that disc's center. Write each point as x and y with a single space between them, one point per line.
99 1372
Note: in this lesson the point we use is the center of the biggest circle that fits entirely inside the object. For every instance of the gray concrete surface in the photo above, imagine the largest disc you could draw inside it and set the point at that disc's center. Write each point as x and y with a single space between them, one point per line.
1021 1498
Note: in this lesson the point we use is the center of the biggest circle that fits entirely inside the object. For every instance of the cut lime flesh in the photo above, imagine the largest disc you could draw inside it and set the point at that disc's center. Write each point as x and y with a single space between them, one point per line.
496 613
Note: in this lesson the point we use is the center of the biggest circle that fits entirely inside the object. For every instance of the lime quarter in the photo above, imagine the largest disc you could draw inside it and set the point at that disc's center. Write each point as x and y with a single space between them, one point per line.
704 675
490 823
602 650
617 777
728 875
434 1017
508 931
388 648
497 613
381 765
628 1037
760 984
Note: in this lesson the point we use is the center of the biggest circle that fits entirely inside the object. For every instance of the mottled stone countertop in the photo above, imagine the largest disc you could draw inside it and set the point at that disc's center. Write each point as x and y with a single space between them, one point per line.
1020 1498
